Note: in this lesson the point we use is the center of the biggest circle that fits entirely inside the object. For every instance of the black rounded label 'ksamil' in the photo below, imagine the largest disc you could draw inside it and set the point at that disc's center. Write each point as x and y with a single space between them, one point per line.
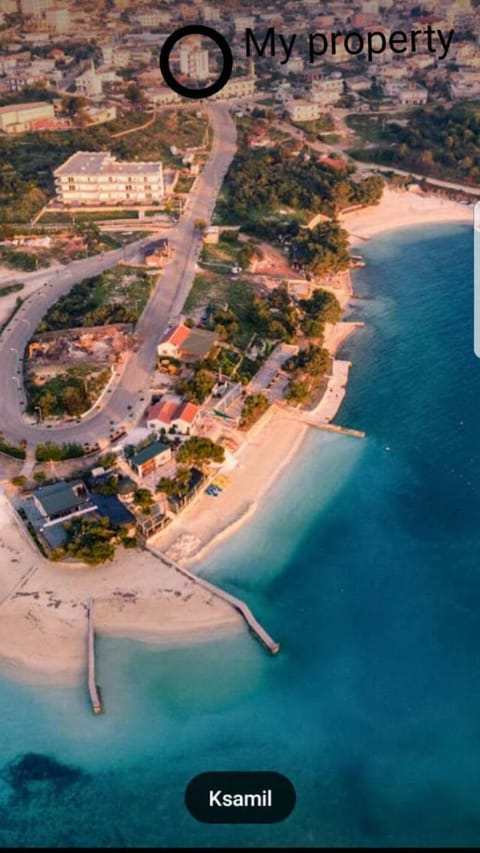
240 797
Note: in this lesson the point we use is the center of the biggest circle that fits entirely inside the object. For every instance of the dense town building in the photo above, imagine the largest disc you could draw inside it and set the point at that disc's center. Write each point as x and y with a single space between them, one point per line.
19 118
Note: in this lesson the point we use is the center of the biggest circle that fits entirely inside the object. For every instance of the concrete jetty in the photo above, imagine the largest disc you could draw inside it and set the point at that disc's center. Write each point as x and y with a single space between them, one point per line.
257 630
355 433
93 687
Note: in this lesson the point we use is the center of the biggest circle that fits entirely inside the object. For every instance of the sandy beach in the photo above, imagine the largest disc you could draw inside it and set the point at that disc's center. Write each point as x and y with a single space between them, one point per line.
43 624
337 333
403 209
279 436
43 605
269 448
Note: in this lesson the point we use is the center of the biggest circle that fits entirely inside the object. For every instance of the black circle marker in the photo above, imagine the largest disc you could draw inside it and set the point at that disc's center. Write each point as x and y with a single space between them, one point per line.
193 30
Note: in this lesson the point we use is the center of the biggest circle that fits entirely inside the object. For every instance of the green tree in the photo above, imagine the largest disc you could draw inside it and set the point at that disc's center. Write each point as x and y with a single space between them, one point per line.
297 392
167 485
199 450
144 499
91 234
90 540
20 481
75 107
108 460
52 452
253 408
178 485
312 361
313 327
323 307
111 486
199 387
48 452
323 249
135 95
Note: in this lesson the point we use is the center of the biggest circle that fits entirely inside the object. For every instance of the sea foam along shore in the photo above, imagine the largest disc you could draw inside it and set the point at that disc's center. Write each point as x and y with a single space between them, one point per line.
43 620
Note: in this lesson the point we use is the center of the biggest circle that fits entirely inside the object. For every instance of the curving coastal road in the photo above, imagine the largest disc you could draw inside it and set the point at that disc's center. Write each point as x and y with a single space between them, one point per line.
122 406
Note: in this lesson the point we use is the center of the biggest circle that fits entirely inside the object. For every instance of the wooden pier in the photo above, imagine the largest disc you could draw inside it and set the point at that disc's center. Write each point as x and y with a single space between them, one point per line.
257 630
93 687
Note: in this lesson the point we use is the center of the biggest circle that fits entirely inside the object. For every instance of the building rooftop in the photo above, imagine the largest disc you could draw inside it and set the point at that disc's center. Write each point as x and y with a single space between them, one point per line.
102 162
176 336
55 535
110 507
164 411
61 497
23 108
149 452
199 343
170 410
188 412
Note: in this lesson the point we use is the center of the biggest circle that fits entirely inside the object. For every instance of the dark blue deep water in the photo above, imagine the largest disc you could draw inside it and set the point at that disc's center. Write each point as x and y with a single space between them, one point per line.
365 563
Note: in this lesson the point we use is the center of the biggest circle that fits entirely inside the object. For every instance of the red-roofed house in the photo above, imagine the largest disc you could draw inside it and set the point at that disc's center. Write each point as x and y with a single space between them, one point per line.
172 341
172 412
162 414
333 162
186 416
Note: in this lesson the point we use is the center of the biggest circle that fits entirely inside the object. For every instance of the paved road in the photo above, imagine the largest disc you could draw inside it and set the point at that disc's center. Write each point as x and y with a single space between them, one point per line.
361 165
124 404
436 182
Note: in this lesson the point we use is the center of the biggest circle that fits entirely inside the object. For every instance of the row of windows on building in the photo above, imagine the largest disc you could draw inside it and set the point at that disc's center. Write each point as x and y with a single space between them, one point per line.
129 181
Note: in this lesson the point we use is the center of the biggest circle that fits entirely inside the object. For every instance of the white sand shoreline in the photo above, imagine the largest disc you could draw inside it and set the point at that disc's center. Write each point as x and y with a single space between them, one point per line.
403 209
398 209
43 625
252 508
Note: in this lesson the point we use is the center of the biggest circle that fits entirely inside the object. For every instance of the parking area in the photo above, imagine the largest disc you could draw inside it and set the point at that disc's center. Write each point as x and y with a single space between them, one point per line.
270 379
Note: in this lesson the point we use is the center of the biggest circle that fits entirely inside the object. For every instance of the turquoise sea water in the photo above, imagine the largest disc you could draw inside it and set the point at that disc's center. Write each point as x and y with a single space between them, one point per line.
364 563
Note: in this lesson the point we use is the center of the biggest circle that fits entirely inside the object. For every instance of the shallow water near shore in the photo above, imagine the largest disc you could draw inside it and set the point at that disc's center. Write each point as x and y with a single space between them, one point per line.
363 563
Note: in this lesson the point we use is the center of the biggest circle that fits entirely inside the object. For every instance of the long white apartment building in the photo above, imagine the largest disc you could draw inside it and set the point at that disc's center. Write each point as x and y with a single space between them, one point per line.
92 179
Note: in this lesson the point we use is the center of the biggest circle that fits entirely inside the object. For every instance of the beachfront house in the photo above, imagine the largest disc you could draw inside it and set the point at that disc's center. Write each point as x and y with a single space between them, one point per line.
177 502
148 525
172 412
120 517
62 501
147 460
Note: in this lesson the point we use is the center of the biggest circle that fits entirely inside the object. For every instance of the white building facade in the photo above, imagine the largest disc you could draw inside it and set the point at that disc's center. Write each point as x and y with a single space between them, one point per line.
94 179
